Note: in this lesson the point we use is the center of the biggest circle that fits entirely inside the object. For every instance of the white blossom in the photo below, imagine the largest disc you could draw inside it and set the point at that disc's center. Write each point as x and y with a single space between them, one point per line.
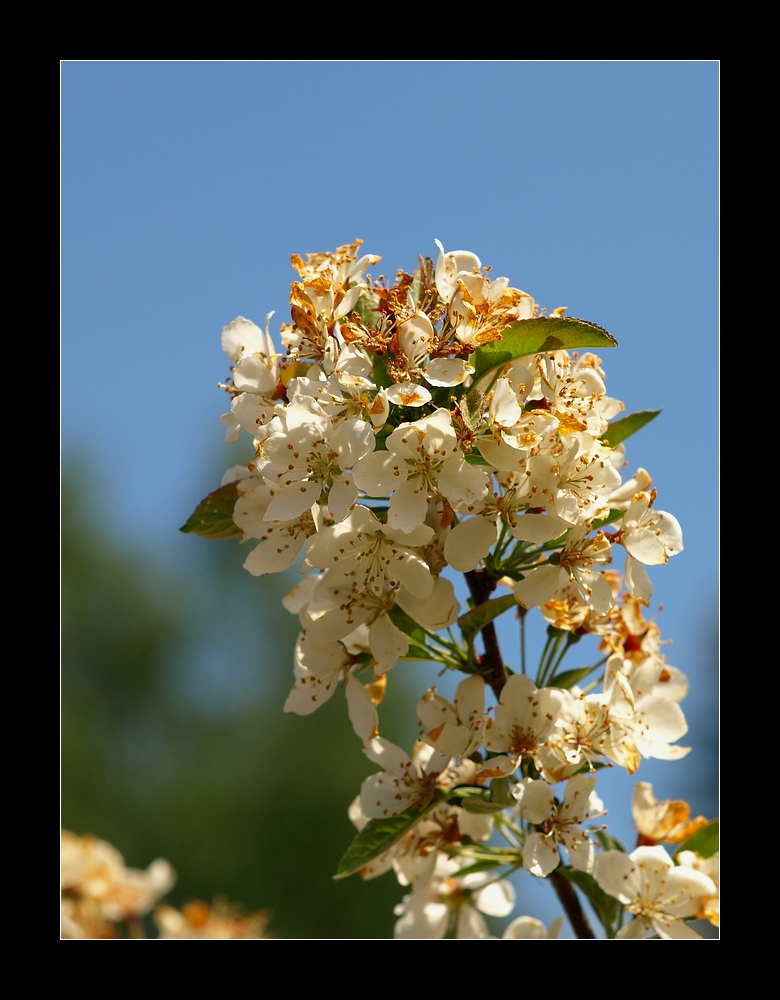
658 893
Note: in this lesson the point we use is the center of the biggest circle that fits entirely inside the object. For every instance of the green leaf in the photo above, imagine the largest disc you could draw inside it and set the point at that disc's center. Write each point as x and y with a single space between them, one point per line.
590 766
468 792
406 624
472 407
414 288
476 460
474 805
614 515
213 517
369 315
621 429
476 800
536 336
381 438
476 619
607 842
480 866
379 372
606 908
705 842
560 541
416 653
377 836
501 791
569 677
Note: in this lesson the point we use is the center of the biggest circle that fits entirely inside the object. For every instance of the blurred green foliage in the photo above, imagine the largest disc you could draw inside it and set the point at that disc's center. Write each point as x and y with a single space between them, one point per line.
174 740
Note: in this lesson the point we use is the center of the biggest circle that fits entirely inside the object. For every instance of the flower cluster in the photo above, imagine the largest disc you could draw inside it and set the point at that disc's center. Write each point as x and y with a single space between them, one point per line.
220 921
99 892
102 898
445 423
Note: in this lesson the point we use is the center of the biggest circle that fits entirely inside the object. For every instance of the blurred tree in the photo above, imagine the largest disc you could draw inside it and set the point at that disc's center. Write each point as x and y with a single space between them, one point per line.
174 740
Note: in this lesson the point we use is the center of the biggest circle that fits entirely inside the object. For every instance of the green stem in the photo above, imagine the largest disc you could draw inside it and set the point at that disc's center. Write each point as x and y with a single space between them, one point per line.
544 672
522 614
511 858
542 659
570 641
504 827
500 877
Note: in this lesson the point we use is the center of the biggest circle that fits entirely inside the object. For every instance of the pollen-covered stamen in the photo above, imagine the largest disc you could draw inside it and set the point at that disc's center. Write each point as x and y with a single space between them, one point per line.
522 742
424 467
323 462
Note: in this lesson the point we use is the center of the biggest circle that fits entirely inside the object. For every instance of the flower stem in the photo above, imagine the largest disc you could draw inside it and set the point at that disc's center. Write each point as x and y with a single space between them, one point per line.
571 904
481 587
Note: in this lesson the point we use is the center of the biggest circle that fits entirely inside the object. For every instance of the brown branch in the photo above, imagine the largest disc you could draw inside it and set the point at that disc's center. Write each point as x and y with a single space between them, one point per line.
481 587
571 904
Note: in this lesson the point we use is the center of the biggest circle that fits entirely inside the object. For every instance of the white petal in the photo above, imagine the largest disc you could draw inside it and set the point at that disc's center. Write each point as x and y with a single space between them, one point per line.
408 394
387 643
253 374
376 474
436 612
347 304
537 801
252 412
470 699
617 875
671 929
638 583
470 924
539 586
594 590
321 658
538 527
504 407
424 920
292 501
635 931
413 573
362 713
540 855
434 711
469 542
463 483
309 692
450 739
525 928
241 337
342 497
408 506
447 371
496 899
415 337
450 264
276 554
387 755
383 795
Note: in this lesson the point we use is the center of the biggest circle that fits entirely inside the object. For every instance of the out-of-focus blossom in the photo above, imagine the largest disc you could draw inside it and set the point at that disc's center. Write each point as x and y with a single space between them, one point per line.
220 921
530 928
666 821
99 891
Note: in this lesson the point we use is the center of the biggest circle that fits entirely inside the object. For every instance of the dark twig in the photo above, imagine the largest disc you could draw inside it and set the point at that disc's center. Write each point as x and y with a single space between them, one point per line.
571 904
481 587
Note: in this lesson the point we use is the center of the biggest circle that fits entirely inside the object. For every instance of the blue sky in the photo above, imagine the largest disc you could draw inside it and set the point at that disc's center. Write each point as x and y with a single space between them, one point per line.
186 187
